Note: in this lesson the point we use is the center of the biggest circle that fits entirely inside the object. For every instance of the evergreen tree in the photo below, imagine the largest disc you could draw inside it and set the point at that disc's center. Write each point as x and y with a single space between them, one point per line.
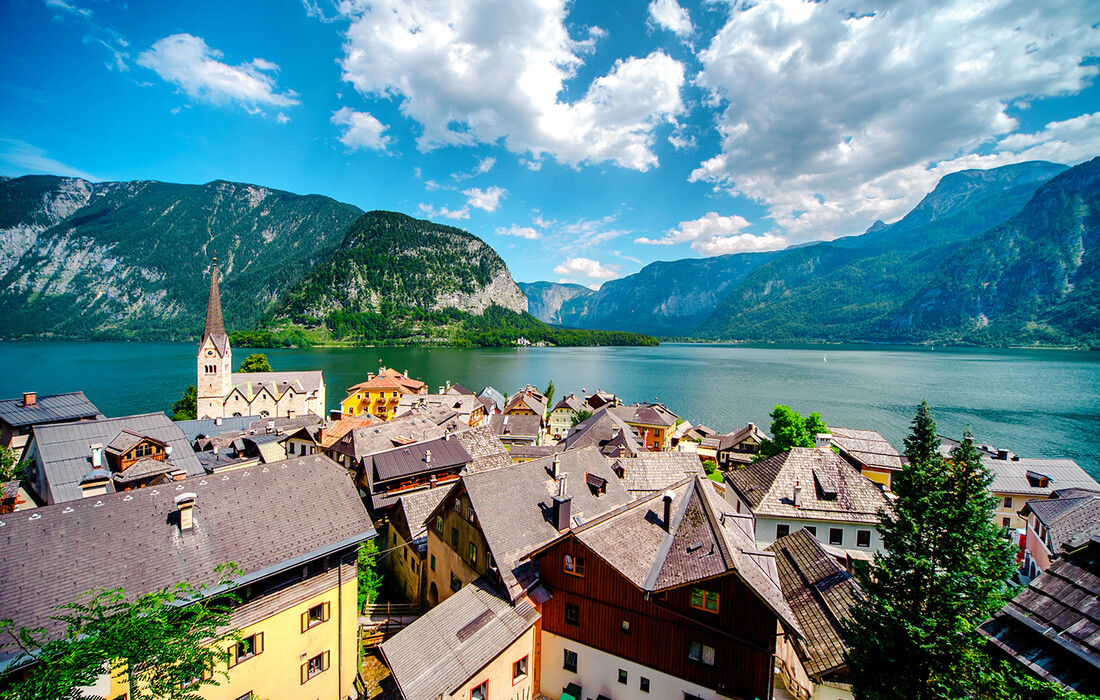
942 574
549 394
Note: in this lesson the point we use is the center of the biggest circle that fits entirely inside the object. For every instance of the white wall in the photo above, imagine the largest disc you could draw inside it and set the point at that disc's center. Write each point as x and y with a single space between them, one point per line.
765 532
598 673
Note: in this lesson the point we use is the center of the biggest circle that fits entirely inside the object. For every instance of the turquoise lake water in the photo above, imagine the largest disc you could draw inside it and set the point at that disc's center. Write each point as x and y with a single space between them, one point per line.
1037 403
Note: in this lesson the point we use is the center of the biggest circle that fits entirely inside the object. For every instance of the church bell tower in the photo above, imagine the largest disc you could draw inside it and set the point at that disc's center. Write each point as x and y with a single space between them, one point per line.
215 360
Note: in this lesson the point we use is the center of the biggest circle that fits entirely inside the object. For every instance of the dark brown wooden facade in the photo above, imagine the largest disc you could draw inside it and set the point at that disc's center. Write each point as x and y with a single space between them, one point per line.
615 616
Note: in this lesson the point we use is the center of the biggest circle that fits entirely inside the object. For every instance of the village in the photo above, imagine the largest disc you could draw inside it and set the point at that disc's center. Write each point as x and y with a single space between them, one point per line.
531 546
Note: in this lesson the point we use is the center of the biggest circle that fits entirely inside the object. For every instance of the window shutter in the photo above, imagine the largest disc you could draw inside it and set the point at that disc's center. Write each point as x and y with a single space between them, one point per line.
232 653
305 672
305 620
324 662
328 611
259 643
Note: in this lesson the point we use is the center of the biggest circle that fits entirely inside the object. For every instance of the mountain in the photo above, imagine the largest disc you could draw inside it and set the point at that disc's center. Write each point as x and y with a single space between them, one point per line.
545 299
1033 279
664 298
132 259
845 290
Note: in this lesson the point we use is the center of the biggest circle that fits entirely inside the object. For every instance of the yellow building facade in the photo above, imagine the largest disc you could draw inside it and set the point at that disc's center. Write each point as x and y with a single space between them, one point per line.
380 396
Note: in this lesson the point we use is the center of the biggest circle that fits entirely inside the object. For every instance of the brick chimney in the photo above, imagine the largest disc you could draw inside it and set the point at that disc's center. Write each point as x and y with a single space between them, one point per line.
667 498
185 504
562 505
30 398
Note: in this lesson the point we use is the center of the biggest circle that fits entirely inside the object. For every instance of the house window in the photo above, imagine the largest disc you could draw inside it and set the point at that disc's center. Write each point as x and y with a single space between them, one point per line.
1008 502
318 664
573 565
481 692
863 538
625 627
457 506
643 684
246 649
519 670
782 530
316 615
433 562
622 676
454 536
470 513
439 524
704 599
570 661
836 536
572 615
1006 522
812 529
473 553
701 653
455 583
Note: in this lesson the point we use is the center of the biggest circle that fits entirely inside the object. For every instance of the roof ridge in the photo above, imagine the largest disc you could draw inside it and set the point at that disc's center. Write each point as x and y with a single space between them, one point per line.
666 543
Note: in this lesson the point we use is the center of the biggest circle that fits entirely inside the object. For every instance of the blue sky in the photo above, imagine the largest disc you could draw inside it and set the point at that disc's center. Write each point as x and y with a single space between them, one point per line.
582 140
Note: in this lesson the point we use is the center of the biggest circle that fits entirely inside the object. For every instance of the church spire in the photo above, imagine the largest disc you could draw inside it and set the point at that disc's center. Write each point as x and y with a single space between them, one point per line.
215 324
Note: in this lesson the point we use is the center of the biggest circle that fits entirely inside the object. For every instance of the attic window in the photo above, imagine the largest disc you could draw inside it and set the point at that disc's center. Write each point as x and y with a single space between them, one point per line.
598 484
1037 479
826 484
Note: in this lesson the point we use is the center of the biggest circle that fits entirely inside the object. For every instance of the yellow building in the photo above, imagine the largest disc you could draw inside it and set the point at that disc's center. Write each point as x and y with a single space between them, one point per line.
293 528
380 395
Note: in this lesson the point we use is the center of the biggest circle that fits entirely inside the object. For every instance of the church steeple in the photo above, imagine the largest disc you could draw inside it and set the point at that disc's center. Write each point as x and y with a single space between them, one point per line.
215 324
215 361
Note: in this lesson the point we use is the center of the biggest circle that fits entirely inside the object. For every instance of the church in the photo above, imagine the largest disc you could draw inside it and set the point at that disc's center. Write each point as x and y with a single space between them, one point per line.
223 393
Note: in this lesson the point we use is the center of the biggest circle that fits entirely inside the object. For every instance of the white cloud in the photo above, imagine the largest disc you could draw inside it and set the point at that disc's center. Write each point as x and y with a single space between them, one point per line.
187 62
669 15
69 7
487 199
21 158
519 232
282 118
586 233
313 9
432 213
483 71
483 166
363 130
714 234
588 268
834 116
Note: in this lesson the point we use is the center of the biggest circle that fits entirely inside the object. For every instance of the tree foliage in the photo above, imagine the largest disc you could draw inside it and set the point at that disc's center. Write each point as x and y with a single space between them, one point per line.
582 415
549 394
256 362
187 407
11 469
789 429
167 642
942 574
370 574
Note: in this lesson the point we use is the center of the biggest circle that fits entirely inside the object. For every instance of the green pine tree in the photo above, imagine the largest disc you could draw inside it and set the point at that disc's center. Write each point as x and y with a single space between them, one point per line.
942 574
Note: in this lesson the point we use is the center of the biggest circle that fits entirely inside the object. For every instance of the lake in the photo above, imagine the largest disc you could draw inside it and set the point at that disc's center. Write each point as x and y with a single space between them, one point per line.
1037 403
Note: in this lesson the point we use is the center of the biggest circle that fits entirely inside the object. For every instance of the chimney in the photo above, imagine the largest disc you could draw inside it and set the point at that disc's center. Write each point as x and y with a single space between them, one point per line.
823 440
667 498
30 398
441 389
555 469
433 481
218 420
448 385
797 500
427 456
185 504
290 414
97 455
562 506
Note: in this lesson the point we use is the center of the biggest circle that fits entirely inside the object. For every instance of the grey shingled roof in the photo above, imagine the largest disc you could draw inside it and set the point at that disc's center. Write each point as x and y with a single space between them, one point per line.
607 431
1051 627
258 517
514 506
277 383
485 450
1066 517
821 595
417 506
725 442
65 453
647 414
495 396
450 643
379 438
655 471
53 408
143 469
706 538
868 447
515 426
768 487
1010 476
211 427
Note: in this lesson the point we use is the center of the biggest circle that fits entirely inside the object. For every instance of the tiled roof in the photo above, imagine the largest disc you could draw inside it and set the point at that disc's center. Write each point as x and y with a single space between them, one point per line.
705 538
1066 517
646 414
400 431
608 432
450 643
821 595
514 505
342 427
655 471
571 402
389 379
126 439
534 451
1052 627
257 517
143 469
459 390
867 447
418 458
417 506
485 450
1011 476
496 397
768 487
515 426
65 453
250 384
48 409
725 442
462 404
213 426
